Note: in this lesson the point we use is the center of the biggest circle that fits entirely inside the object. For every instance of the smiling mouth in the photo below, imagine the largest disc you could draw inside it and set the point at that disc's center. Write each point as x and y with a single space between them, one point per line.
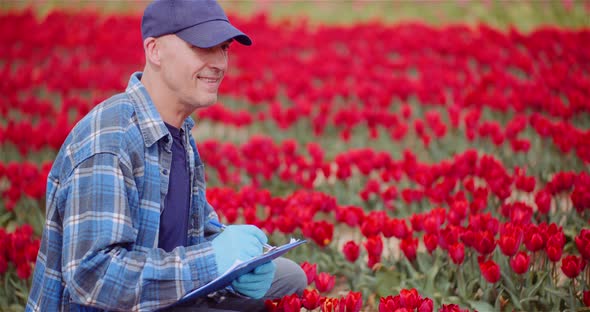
209 79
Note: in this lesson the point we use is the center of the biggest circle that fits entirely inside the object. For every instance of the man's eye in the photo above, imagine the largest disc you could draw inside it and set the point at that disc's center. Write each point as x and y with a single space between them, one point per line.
225 47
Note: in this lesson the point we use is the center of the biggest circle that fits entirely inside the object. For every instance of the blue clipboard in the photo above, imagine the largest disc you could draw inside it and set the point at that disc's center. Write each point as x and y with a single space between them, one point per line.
238 269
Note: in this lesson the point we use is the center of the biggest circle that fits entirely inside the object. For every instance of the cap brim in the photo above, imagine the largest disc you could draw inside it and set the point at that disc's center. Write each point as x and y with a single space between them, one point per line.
212 33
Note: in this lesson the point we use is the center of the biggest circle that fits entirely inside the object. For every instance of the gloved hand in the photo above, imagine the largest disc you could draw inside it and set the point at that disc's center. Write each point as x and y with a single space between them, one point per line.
237 242
256 283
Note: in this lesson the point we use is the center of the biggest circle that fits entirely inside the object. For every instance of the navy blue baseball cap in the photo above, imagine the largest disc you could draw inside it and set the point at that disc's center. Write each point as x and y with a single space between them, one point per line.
201 23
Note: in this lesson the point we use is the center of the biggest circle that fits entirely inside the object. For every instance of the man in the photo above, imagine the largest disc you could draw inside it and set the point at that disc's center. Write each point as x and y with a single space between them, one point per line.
128 226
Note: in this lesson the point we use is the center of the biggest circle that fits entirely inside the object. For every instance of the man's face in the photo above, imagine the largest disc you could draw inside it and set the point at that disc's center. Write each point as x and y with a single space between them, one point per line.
192 74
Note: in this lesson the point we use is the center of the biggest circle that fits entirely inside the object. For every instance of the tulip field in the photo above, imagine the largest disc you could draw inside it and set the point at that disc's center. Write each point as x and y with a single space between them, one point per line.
430 167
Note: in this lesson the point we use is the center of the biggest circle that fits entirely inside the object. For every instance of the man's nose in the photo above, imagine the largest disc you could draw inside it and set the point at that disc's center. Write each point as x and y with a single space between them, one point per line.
218 59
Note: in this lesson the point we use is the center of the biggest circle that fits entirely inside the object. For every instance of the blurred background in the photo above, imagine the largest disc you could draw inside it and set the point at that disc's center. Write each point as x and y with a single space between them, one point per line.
523 14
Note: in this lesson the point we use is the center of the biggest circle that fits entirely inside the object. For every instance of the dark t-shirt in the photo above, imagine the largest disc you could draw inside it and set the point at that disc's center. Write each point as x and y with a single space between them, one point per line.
174 218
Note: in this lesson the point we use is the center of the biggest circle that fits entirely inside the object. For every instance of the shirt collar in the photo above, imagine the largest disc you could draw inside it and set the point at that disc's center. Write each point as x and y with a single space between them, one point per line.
150 122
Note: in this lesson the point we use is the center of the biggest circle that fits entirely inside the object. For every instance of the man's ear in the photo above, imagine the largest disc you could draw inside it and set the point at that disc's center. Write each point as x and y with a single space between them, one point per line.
152 47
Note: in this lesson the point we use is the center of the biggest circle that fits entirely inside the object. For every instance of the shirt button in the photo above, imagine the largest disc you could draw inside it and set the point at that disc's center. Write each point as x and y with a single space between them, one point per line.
165 171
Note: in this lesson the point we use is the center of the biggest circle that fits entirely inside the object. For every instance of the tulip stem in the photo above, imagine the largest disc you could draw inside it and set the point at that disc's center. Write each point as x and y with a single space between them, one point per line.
574 296
554 274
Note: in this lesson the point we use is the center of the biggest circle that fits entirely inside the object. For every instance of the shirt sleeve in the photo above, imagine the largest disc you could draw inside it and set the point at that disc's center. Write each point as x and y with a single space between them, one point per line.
100 265
210 231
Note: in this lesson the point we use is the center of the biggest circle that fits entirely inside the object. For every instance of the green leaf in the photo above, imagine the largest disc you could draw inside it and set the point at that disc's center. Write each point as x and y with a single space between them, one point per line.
15 307
410 268
22 295
533 290
481 306
508 282
385 282
424 261
572 300
431 276
413 284
461 286
555 292
498 302
472 284
4 218
17 286
514 299
533 298
11 226
453 299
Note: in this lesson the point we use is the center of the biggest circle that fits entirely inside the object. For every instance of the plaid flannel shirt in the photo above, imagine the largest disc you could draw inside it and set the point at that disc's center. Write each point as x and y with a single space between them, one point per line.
105 192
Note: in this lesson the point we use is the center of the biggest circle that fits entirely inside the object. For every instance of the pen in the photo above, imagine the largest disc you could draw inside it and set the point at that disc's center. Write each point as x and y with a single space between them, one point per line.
222 226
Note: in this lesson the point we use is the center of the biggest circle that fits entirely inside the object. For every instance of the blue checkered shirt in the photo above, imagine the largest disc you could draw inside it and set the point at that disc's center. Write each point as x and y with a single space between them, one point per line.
105 193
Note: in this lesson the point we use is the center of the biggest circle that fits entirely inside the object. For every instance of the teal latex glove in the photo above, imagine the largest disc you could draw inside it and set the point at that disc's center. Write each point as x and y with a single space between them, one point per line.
237 242
256 283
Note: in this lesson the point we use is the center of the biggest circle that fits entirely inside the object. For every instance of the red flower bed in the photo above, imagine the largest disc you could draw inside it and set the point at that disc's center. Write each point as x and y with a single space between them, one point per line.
430 168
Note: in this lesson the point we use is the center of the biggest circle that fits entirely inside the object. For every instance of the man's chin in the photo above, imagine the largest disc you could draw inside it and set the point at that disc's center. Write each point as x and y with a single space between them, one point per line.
204 103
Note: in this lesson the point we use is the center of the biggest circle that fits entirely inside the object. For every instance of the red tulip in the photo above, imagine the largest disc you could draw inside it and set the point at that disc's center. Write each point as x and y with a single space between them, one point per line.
583 243
427 305
397 228
572 265
486 242
484 222
534 239
458 212
519 213
291 303
353 302
543 201
371 225
490 271
449 236
586 298
409 298
406 110
520 262
451 308
351 215
324 282
434 220
311 299
457 253
410 247
320 231
3 264
581 194
417 221
470 238
285 225
310 271
523 182
555 242
431 242
374 246
351 251
510 239
561 182
23 270
389 304
329 304
554 250
273 305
